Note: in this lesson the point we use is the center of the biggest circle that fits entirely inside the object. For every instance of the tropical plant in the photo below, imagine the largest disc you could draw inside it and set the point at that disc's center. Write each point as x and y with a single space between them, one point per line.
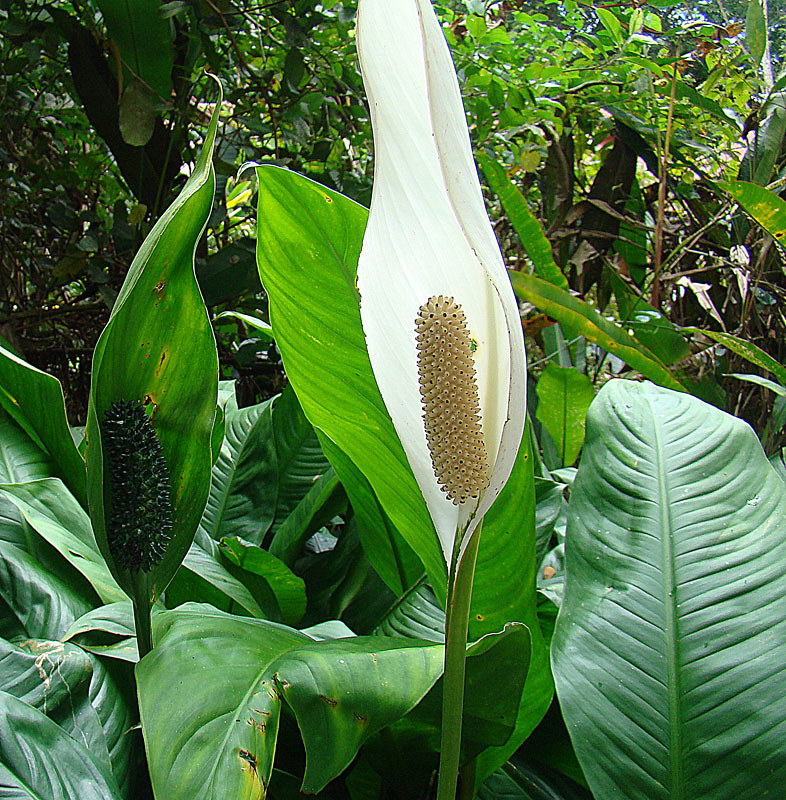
207 599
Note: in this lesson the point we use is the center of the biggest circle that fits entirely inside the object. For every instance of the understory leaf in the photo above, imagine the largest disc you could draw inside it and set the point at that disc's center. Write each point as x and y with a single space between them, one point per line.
670 644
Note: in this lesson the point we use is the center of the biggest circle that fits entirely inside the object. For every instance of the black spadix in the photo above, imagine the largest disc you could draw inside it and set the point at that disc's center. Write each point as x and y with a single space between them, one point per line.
139 519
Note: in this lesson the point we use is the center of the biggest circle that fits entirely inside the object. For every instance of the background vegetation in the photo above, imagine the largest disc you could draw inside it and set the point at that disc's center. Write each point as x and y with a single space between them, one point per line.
615 122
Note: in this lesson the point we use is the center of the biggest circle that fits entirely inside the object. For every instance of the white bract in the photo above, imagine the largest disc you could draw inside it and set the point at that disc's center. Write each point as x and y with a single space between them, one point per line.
428 235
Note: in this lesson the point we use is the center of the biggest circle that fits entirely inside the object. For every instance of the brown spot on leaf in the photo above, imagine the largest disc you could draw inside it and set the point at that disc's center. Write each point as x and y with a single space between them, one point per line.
329 700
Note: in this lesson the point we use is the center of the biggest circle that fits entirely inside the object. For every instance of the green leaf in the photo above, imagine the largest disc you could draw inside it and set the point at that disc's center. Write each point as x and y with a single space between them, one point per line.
299 455
416 615
582 318
20 460
204 578
73 689
213 734
564 395
610 23
766 207
756 30
323 501
92 630
43 604
51 510
142 37
524 222
669 647
243 489
38 759
288 590
386 549
34 400
168 364
308 242
747 350
42 673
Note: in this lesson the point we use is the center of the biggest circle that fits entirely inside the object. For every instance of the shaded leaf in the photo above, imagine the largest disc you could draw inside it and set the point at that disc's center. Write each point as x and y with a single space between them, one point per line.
669 647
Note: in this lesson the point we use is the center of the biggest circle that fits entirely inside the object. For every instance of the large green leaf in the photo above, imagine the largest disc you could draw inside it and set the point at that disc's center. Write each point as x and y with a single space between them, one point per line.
35 401
73 689
40 761
51 510
242 497
766 207
20 460
300 458
158 349
584 319
43 605
564 395
308 242
212 734
669 648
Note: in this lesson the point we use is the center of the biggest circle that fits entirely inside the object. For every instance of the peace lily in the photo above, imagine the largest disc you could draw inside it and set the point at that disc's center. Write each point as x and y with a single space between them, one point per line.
429 239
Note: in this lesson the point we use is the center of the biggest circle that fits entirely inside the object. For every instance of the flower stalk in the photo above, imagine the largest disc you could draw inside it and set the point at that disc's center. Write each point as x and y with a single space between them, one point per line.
441 321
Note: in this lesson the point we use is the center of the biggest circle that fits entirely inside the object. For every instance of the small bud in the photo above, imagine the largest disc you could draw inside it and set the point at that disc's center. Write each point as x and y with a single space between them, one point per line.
449 394
139 521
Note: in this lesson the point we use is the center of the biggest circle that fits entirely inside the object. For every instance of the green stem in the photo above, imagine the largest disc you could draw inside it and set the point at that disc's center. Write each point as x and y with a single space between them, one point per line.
456 623
143 625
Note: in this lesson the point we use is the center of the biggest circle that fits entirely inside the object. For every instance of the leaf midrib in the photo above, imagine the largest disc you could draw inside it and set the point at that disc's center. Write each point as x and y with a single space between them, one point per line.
671 624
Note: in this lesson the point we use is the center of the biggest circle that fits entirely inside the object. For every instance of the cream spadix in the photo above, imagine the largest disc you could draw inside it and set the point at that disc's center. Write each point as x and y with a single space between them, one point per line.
429 244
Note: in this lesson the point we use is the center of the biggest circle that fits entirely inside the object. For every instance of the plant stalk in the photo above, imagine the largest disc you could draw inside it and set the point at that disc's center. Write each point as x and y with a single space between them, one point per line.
143 625
462 574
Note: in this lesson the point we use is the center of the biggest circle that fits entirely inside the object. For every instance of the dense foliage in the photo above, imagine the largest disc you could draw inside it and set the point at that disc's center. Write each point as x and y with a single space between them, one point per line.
285 630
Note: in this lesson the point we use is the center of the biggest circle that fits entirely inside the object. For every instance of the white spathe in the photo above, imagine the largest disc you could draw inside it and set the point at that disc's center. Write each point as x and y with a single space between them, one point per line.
428 235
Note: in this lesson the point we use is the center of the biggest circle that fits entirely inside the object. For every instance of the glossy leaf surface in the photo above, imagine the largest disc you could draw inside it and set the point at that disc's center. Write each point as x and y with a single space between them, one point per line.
238 671
669 648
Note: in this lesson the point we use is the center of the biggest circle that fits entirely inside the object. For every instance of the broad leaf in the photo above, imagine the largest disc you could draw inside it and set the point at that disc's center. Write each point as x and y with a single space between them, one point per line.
20 460
308 241
670 643
50 509
299 455
43 604
75 690
564 395
243 489
213 733
38 759
35 402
